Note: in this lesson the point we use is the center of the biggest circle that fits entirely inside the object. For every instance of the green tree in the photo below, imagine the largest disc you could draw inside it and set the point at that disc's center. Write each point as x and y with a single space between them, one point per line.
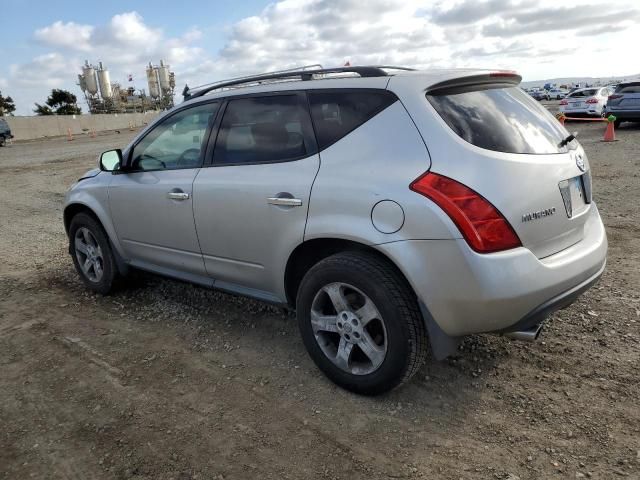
7 107
60 102
42 110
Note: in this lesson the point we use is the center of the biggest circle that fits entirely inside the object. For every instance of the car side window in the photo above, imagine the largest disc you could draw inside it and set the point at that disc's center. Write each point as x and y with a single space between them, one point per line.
336 113
261 129
177 142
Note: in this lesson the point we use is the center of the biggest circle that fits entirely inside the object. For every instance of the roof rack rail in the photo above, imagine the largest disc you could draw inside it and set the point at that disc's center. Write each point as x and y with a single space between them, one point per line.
300 73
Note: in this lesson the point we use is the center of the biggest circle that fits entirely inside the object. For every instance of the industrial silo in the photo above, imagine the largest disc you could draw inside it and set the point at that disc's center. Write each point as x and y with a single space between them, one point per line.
105 82
90 81
152 80
164 76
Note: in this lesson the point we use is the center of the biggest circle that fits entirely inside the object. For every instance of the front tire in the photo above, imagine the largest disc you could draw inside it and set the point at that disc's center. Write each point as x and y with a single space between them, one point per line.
91 253
361 323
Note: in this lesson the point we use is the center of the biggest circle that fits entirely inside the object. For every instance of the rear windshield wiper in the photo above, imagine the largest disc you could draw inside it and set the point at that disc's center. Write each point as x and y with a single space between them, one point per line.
569 138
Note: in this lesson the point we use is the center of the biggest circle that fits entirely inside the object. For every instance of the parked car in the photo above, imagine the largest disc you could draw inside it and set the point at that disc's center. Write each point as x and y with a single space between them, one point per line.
624 103
556 93
358 202
585 101
541 95
5 132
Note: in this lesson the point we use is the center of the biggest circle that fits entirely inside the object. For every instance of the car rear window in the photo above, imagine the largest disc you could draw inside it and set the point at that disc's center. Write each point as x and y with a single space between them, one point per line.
500 119
584 93
633 88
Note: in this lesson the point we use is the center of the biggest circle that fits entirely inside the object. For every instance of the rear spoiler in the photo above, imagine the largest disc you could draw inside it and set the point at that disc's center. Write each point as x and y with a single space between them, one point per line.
508 78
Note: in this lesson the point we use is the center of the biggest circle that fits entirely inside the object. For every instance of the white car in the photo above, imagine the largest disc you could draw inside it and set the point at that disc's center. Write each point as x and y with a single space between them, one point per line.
557 94
585 101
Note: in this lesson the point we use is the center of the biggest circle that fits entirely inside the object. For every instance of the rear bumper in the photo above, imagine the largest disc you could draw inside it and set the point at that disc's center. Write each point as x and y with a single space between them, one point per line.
466 292
541 312
578 112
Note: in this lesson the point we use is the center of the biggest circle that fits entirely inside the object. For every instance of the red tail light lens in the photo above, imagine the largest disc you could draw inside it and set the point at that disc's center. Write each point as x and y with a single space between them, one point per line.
613 97
481 224
504 73
564 102
592 100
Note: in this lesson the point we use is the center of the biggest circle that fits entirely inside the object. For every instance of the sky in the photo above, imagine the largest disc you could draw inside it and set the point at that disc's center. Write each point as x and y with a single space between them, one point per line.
44 43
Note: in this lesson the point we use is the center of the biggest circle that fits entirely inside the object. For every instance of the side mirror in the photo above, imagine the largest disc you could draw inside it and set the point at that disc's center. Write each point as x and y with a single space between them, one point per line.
111 160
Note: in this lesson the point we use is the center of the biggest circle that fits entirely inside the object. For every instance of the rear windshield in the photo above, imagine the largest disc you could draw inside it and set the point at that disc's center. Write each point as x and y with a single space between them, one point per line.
584 93
629 88
500 119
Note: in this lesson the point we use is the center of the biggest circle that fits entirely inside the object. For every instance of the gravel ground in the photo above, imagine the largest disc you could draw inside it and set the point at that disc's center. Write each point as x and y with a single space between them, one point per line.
164 380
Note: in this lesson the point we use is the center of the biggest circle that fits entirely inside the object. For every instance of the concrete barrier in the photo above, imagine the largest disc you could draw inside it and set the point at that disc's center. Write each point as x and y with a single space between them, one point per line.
29 128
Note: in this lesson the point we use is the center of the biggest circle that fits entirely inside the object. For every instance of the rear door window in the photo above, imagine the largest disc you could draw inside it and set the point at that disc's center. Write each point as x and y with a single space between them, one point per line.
338 112
262 129
500 119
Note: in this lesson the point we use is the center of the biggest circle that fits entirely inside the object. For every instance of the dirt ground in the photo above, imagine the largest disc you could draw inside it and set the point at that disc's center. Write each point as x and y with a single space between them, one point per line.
164 380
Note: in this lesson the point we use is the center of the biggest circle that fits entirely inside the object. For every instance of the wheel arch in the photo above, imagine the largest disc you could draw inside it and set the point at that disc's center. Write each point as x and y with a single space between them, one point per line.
74 208
312 251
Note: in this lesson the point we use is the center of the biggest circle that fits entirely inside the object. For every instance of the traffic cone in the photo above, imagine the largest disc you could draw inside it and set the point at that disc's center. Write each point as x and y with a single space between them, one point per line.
609 133
561 119
69 135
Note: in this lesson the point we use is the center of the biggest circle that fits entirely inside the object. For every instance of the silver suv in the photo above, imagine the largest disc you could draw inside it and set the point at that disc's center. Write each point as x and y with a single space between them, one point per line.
396 211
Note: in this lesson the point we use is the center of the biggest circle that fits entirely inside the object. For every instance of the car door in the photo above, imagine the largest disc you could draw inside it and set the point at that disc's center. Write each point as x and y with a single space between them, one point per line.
151 198
250 204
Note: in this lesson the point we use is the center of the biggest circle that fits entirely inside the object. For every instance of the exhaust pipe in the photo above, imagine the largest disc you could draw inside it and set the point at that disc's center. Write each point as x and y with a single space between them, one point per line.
528 335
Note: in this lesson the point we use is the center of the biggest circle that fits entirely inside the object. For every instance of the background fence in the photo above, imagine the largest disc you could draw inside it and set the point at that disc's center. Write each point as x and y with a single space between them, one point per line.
28 128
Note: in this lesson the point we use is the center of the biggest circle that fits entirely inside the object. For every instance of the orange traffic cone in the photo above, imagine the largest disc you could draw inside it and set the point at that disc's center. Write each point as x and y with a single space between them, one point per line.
609 133
69 136
561 119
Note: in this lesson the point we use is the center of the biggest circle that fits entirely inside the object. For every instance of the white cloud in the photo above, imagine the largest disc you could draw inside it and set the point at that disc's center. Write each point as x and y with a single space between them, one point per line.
66 35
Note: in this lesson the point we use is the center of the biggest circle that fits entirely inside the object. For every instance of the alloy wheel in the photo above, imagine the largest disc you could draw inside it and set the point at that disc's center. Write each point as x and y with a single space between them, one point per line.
89 254
349 328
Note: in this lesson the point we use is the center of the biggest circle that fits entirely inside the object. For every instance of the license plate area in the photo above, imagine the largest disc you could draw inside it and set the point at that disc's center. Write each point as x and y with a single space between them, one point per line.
575 194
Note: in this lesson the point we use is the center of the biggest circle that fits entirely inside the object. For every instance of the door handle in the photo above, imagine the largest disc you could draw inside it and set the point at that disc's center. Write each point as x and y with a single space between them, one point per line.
284 201
178 195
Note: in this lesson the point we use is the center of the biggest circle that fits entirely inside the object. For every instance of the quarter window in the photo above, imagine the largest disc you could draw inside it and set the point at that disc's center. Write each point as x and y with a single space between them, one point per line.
177 142
261 129
337 113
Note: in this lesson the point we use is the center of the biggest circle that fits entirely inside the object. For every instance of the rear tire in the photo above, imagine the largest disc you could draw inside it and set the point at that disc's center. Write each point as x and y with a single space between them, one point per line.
91 252
378 321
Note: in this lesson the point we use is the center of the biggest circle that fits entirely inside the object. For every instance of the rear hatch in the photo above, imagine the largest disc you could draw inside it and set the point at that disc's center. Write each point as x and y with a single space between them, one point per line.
579 99
513 152
626 97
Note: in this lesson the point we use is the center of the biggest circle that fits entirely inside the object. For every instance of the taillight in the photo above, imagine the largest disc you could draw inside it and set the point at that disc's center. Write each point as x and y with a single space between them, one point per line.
614 96
564 102
592 100
504 73
481 224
